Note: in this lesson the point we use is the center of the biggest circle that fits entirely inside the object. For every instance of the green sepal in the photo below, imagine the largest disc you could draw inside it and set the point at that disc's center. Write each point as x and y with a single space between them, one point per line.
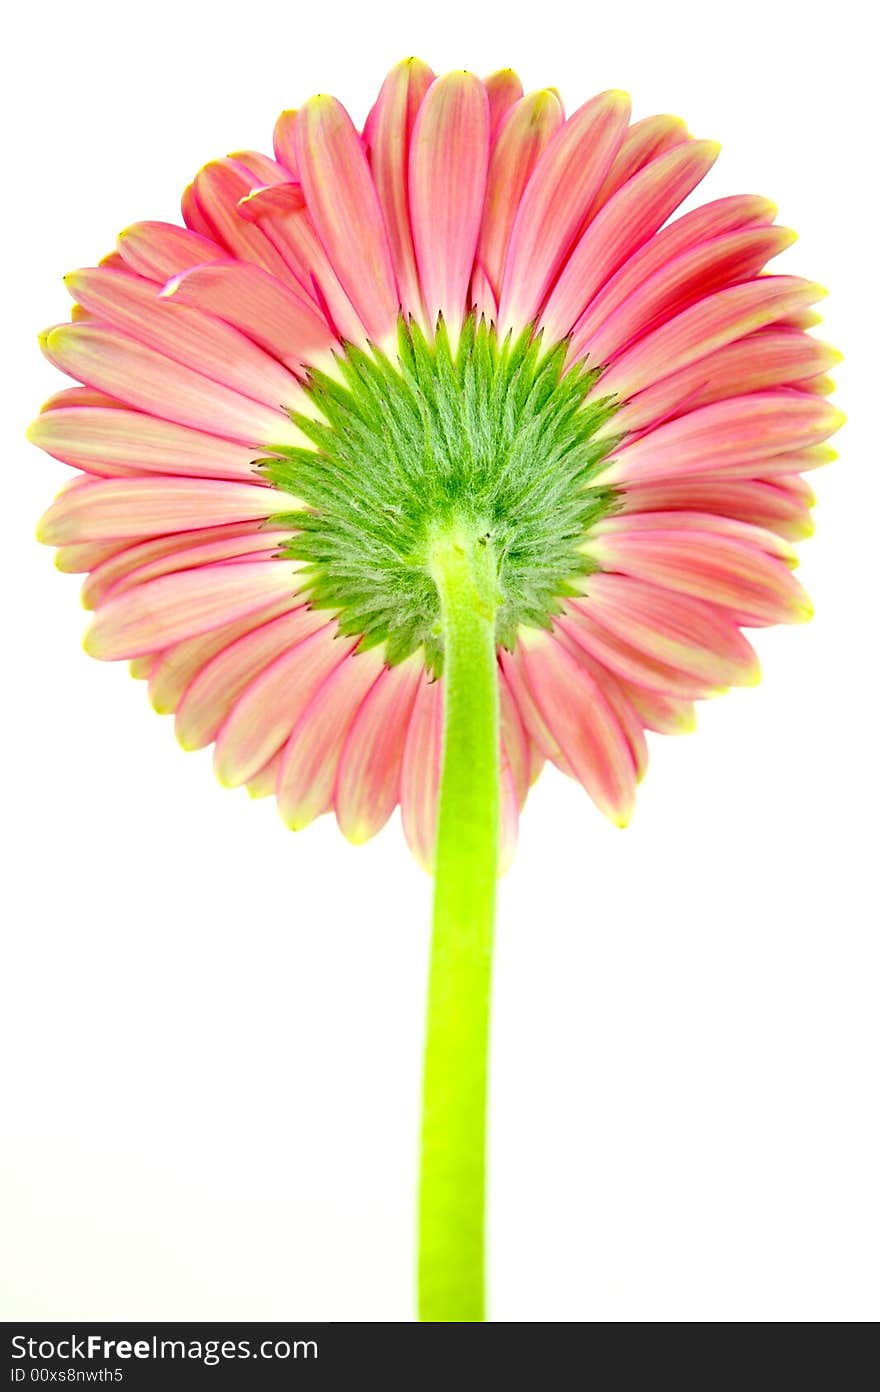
502 434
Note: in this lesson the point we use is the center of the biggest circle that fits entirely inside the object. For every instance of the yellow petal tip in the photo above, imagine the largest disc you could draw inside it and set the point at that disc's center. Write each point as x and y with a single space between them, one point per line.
357 835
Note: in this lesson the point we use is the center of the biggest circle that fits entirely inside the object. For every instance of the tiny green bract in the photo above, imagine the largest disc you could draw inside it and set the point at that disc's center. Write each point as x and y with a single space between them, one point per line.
496 435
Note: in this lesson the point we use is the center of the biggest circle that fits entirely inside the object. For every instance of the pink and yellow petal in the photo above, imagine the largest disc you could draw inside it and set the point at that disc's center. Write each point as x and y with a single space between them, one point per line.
110 361
555 204
147 506
272 315
448 162
525 130
696 331
186 335
583 723
282 214
781 506
626 222
684 234
175 607
210 696
265 714
742 433
503 89
344 207
310 759
176 668
160 250
111 441
771 357
388 136
675 630
369 771
420 772
217 190
723 570
642 142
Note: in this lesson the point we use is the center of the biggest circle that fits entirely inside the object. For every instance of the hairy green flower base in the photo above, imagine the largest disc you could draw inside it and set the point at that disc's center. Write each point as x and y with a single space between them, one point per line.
445 500
496 437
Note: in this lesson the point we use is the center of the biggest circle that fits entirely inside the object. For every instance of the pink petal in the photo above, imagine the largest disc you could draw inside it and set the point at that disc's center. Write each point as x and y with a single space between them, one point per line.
721 569
114 262
264 169
643 142
344 207
695 332
514 740
76 560
703 224
177 667
283 141
309 762
125 558
270 313
783 508
420 772
80 396
448 160
113 441
503 89
555 204
270 200
193 215
368 776
197 340
539 732
390 125
523 134
262 784
141 507
626 661
508 817
141 667
282 214
618 699
213 692
246 547
582 721
673 630
159 250
798 461
218 188
771 357
175 607
270 706
626 222
112 362
537 762
693 521
740 431
668 715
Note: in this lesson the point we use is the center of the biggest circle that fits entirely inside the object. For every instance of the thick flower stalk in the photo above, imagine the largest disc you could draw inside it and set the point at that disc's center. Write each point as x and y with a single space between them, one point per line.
424 454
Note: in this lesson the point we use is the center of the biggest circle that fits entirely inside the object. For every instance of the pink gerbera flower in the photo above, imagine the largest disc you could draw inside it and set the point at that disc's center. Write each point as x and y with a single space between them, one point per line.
424 454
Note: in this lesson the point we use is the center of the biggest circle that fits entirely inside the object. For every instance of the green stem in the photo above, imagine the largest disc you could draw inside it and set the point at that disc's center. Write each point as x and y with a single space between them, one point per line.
452 1190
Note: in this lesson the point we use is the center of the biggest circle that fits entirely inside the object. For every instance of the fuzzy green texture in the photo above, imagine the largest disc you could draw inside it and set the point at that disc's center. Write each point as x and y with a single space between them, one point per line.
497 437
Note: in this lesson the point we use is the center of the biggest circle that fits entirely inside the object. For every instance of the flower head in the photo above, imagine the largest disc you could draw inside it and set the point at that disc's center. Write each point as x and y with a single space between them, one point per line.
475 317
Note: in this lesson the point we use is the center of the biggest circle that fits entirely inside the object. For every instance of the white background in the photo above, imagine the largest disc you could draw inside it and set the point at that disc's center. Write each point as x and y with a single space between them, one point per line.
213 1028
